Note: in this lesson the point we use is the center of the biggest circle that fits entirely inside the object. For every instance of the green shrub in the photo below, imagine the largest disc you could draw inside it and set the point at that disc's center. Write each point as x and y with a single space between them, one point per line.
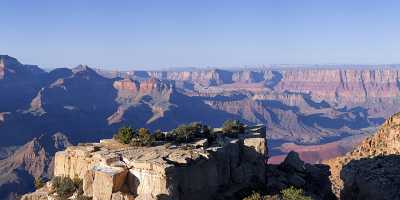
293 193
39 183
183 134
63 186
124 135
78 183
143 138
255 196
232 128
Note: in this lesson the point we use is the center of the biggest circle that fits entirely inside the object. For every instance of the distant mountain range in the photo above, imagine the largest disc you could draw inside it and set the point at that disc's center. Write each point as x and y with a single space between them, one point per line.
301 105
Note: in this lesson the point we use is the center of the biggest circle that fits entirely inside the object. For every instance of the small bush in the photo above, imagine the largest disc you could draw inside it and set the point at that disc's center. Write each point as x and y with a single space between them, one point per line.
39 183
78 183
293 193
64 187
232 128
143 138
256 196
183 134
124 135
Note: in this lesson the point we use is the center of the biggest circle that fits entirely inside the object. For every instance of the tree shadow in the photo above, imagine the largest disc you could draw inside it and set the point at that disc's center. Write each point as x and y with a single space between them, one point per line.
376 178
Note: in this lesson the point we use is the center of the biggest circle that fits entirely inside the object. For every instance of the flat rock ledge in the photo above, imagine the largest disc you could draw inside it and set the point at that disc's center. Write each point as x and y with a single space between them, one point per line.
112 171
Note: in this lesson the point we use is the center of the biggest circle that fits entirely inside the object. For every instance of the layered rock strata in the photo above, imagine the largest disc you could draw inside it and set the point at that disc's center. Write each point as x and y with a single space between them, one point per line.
192 171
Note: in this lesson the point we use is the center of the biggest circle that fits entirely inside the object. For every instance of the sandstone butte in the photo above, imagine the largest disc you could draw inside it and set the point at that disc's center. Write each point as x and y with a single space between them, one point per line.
111 170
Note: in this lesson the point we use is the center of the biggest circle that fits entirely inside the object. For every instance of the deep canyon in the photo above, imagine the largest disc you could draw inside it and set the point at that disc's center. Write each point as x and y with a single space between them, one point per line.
321 112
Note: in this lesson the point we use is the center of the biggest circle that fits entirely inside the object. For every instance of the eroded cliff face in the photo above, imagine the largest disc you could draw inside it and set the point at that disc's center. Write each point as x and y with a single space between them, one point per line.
197 170
342 85
369 170
151 93
32 160
203 77
2 69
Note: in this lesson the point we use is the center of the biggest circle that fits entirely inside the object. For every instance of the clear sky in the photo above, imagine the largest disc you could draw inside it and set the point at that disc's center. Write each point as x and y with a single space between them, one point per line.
150 34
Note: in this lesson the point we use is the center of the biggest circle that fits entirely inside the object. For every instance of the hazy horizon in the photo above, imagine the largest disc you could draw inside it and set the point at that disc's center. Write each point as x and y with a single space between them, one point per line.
155 35
231 68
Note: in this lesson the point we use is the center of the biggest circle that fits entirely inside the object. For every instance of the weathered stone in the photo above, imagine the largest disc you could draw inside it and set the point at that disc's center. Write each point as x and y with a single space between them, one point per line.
87 180
200 143
110 170
107 180
385 142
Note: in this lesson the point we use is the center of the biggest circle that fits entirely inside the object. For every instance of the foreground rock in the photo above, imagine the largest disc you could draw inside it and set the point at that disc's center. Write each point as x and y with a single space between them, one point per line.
370 171
313 179
110 170
372 178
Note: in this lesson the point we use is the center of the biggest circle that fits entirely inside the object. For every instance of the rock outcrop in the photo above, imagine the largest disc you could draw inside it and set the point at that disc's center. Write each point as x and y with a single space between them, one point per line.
369 168
313 179
110 170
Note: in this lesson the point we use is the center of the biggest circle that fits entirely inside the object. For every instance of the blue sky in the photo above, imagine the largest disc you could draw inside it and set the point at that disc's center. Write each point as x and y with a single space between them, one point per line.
166 33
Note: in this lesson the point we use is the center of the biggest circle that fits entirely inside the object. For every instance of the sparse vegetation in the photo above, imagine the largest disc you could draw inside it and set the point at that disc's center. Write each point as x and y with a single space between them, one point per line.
258 196
255 196
293 193
78 183
64 187
232 128
39 183
143 138
124 135
184 133
188 132
290 193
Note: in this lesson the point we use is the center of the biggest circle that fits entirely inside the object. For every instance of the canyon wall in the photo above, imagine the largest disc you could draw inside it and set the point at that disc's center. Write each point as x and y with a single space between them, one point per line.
342 85
334 85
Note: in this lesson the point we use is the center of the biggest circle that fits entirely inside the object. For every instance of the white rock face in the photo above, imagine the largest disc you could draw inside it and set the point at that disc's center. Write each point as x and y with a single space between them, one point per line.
198 171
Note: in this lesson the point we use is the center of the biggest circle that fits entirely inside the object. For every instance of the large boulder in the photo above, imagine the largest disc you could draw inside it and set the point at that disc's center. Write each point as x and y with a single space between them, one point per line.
107 180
